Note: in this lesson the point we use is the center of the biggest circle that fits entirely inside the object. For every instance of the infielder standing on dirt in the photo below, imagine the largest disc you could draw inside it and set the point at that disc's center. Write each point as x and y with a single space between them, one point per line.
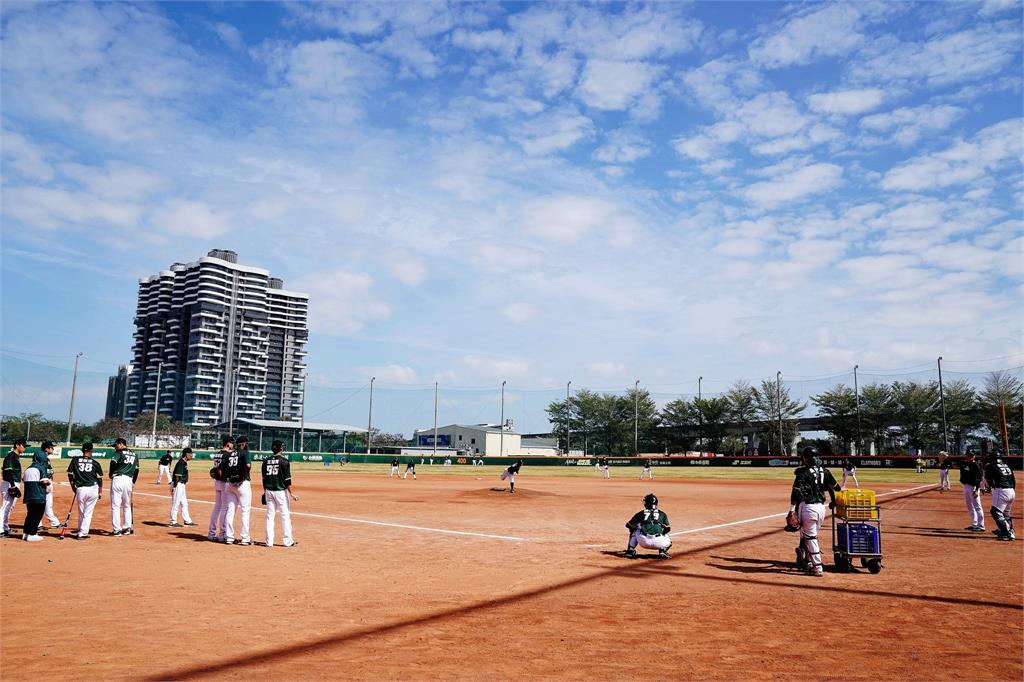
394 468
124 471
86 478
164 467
50 516
217 523
648 469
510 473
235 471
971 478
410 466
179 496
10 489
945 464
602 466
1002 484
277 487
649 528
850 471
807 499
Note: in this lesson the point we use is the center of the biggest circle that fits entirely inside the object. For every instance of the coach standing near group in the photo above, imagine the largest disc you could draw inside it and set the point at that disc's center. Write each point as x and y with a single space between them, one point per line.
235 471
277 487
124 472
86 478
971 477
36 482
10 489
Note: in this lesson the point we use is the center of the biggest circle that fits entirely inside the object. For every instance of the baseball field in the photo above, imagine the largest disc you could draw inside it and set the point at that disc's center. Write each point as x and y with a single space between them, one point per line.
451 577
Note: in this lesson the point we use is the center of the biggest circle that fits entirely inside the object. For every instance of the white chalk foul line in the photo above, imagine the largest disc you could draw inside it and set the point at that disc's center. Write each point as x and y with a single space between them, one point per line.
776 516
368 522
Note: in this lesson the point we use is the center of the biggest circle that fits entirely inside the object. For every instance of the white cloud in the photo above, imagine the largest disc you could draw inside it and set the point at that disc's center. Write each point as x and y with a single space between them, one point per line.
831 31
567 219
341 302
964 162
553 131
795 185
117 180
24 156
519 311
390 374
231 36
623 146
616 85
771 114
189 218
324 68
47 208
847 102
407 267
908 124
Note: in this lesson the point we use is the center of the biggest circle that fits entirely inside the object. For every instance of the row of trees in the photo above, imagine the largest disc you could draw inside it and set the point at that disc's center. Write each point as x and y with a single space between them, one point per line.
890 416
39 428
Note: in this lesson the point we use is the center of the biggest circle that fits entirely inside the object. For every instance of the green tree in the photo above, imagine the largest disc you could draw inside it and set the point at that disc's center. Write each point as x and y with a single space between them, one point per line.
1002 387
877 411
679 422
839 406
773 404
713 414
962 413
108 428
915 405
742 407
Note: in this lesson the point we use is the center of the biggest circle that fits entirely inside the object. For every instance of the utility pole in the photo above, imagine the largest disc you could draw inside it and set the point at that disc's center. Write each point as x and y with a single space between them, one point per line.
778 402
435 419
369 419
942 402
156 404
302 416
71 410
636 418
234 403
700 413
856 394
567 431
501 436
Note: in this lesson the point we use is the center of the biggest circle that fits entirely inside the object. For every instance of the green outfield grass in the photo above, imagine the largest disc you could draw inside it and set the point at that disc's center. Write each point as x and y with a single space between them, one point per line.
864 476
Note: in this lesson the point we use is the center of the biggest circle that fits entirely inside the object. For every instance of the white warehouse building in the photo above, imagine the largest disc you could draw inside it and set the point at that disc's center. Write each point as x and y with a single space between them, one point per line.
484 439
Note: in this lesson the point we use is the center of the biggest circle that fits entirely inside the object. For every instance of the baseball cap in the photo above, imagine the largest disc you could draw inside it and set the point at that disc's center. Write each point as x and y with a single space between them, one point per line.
46 444
185 451
242 439
86 447
121 441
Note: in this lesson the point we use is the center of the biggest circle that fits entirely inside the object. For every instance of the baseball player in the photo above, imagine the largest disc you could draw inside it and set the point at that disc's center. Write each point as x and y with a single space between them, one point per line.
179 497
919 464
10 489
510 473
971 478
648 469
945 464
86 478
217 521
602 465
410 466
277 487
649 528
807 499
48 510
1002 484
235 471
164 467
123 473
849 471
394 468
36 482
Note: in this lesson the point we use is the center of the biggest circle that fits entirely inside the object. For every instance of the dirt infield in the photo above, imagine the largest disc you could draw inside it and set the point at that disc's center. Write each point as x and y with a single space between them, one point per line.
453 578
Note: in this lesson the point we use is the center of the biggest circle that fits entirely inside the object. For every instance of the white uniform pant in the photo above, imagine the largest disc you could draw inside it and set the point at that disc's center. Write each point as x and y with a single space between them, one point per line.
277 503
511 477
121 503
87 498
163 470
406 474
943 479
606 472
972 498
48 511
648 471
217 515
6 504
649 541
237 495
394 472
811 518
856 483
179 500
1002 501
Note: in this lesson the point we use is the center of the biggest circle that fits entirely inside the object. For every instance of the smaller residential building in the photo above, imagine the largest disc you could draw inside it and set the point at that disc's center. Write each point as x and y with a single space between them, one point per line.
484 439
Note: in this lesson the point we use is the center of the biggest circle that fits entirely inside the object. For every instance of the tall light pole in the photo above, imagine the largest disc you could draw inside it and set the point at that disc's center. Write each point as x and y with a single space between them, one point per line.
856 395
501 426
636 418
942 402
567 432
71 410
700 413
435 419
302 416
156 404
778 402
234 402
369 419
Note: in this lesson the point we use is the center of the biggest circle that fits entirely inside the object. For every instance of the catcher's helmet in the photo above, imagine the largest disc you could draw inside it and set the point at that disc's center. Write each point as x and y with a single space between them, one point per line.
810 452
650 501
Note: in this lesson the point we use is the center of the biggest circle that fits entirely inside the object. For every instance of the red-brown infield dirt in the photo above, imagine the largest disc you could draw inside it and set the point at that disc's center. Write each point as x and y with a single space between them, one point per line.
547 599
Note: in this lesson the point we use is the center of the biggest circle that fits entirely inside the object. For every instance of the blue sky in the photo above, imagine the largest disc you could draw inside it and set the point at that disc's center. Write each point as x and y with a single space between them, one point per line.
535 193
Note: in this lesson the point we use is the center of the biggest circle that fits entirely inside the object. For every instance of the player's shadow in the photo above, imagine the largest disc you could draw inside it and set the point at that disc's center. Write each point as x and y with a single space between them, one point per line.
751 565
185 535
154 523
621 554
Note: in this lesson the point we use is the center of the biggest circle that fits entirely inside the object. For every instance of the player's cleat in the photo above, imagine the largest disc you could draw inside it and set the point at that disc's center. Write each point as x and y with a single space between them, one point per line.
129 531
115 533
229 541
56 525
293 544
174 524
32 538
630 553
3 533
244 543
663 554
1005 538
81 537
978 529
189 523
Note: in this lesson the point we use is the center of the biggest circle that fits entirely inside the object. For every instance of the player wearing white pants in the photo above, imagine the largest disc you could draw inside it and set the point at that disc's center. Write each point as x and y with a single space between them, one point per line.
944 480
811 482
972 498
510 474
971 478
659 542
1002 506
87 497
86 478
164 468
237 496
11 480
811 518
179 483
277 487
649 528
1002 482
850 471
217 514
7 502
121 504
648 469
48 508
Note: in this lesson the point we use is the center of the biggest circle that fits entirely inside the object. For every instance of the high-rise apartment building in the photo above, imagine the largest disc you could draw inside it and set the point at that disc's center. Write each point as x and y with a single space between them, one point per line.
223 341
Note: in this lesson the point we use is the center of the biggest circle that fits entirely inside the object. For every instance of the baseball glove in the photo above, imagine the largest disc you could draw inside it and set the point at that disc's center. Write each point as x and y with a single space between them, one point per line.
792 522
14 492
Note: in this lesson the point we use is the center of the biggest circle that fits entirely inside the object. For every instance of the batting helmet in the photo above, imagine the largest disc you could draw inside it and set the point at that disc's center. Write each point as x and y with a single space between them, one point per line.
650 501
